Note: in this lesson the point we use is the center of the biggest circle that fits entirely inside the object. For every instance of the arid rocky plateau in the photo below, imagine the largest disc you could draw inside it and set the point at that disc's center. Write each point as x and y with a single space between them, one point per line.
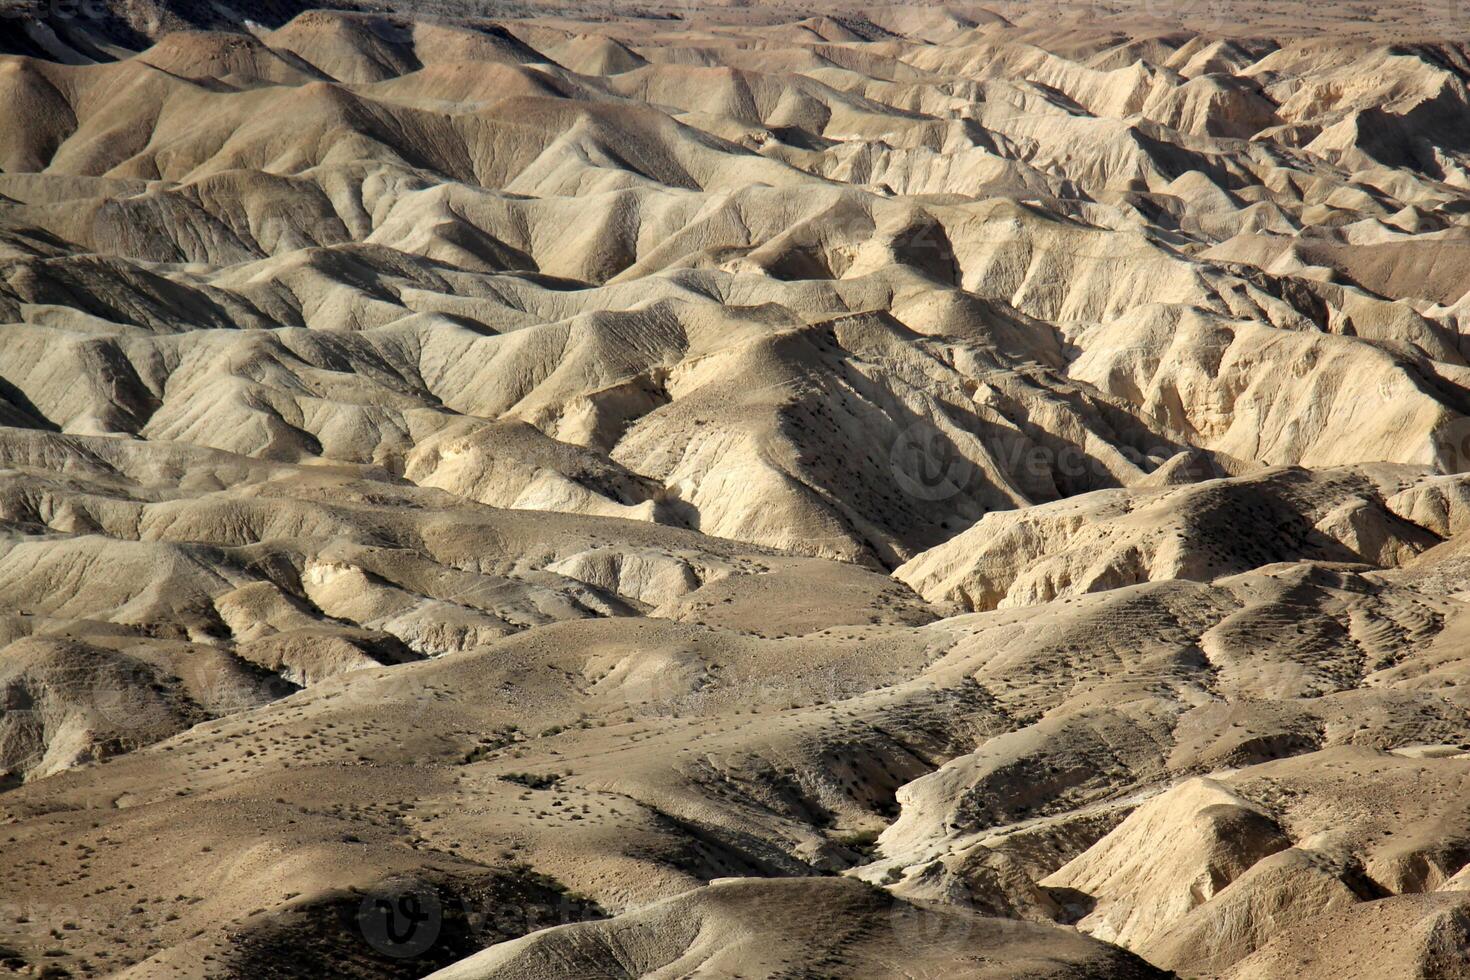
575 491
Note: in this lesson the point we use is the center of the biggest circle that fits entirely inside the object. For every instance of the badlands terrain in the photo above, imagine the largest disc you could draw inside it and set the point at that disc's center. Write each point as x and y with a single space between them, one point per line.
528 491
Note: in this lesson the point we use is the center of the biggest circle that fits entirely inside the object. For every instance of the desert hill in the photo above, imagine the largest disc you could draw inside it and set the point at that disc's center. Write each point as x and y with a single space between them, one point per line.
710 490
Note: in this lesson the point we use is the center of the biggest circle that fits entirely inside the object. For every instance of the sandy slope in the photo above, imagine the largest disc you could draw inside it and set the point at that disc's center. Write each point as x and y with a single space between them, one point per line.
735 491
